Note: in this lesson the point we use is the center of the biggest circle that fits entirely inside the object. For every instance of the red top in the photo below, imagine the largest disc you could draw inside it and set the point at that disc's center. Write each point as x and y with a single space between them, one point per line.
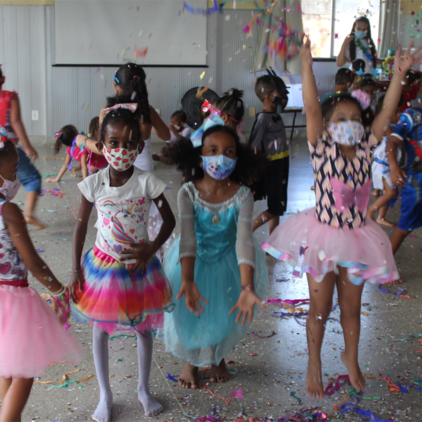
5 105
94 160
408 97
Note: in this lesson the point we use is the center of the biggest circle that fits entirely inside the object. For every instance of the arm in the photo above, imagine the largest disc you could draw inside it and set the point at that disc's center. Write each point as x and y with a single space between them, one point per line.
245 248
62 171
15 223
158 126
19 128
84 166
398 175
89 143
392 97
341 58
79 235
314 124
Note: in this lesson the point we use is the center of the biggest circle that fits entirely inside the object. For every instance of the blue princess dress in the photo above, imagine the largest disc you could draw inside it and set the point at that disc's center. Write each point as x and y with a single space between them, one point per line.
220 237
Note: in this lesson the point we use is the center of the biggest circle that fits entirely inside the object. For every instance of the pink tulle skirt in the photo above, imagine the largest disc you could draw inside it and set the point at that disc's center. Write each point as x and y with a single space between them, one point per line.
310 246
31 334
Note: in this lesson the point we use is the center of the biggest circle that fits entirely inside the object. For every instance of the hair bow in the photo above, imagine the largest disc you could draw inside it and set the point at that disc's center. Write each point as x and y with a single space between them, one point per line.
363 98
3 137
213 120
125 106
207 106
58 135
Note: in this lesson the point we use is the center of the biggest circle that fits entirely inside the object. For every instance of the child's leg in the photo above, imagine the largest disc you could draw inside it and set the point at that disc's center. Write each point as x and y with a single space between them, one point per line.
349 299
145 343
100 351
15 399
263 218
321 295
31 199
219 373
381 202
397 238
5 383
273 223
189 376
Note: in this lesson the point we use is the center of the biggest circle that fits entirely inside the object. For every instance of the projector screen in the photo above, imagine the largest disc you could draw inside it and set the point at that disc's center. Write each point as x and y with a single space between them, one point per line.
112 32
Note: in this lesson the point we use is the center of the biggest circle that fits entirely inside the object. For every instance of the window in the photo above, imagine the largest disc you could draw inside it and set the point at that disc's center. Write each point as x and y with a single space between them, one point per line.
329 21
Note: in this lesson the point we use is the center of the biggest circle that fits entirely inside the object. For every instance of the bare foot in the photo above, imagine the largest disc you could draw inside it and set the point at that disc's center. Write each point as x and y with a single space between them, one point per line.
151 406
103 411
219 373
156 157
384 222
355 374
314 385
37 225
399 281
376 193
189 376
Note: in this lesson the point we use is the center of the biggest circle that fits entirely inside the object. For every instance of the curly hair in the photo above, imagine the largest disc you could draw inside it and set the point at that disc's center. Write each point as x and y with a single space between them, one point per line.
231 103
69 133
131 79
249 166
121 115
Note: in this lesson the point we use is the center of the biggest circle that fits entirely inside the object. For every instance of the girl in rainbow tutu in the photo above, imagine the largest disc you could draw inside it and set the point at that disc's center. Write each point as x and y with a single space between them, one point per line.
120 281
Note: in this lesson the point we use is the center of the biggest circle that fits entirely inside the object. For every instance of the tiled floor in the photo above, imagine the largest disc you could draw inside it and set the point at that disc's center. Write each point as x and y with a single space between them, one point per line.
268 370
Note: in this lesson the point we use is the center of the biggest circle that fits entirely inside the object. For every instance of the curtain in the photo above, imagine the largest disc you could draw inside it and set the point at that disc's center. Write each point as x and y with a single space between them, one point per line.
285 10
389 27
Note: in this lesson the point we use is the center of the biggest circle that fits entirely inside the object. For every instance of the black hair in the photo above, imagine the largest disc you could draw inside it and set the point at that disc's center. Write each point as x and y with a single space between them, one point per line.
380 103
94 126
181 115
328 105
121 115
7 151
371 43
68 134
249 166
231 103
1 77
359 64
267 84
412 75
367 80
344 76
131 79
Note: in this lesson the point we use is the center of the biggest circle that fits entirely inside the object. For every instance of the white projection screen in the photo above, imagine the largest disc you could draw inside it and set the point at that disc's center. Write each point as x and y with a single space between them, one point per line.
112 32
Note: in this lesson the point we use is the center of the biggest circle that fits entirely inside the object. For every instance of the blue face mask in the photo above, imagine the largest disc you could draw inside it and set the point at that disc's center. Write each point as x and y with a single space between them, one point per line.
360 34
218 167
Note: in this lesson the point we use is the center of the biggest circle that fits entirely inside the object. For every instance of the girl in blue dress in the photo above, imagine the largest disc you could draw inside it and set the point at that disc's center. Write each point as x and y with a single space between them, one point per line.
214 267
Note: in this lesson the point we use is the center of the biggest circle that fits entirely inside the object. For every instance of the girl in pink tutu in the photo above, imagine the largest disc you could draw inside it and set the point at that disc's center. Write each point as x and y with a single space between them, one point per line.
334 243
31 334
120 281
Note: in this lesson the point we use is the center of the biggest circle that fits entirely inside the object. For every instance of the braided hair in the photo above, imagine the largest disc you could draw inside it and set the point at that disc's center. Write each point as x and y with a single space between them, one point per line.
121 115
231 103
131 79
371 44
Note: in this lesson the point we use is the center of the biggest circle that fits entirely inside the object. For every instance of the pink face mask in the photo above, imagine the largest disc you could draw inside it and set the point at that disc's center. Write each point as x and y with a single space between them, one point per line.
120 159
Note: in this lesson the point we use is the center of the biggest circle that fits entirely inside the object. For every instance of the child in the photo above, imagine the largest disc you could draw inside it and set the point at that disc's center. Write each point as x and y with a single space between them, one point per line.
94 128
381 174
177 127
269 135
407 134
10 119
214 261
358 67
31 334
232 110
359 45
344 80
410 88
334 243
68 135
120 281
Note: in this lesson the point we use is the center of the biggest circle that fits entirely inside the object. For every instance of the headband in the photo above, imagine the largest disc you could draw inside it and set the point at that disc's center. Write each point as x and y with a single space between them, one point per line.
124 106
115 78
361 96
213 120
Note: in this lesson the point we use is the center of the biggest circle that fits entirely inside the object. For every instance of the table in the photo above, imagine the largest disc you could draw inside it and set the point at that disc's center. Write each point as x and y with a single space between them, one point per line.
294 110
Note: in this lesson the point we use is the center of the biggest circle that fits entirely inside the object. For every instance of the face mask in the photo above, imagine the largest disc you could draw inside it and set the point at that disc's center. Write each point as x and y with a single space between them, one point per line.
360 34
120 158
346 133
218 166
176 127
9 188
277 101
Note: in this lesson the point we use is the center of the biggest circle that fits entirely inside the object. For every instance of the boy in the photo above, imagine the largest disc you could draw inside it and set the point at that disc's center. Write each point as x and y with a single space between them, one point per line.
407 133
269 135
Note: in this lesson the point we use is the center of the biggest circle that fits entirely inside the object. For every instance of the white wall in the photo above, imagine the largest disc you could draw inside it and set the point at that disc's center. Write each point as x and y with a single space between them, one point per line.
76 94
